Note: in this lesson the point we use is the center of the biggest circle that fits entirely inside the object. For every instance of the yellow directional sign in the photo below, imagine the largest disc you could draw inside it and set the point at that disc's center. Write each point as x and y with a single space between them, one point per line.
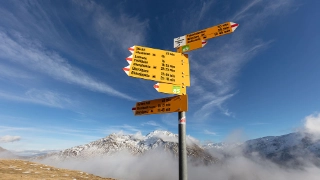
198 39
192 46
160 106
158 65
170 88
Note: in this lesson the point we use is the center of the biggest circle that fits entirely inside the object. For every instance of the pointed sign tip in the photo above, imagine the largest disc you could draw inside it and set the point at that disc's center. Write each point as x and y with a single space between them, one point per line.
234 26
156 86
204 42
131 49
126 69
129 59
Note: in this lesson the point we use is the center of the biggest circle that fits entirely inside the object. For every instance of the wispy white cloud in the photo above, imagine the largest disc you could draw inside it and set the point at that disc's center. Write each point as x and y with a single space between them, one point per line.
236 136
215 68
150 123
216 79
170 119
223 65
257 124
19 50
43 97
312 124
211 106
226 112
242 13
123 30
8 138
84 120
7 72
92 133
209 132
12 119
99 35
49 97
52 132
12 129
195 15
206 5
125 129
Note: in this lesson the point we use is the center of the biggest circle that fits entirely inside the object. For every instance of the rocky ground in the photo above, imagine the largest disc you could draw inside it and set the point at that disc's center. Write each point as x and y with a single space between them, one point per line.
26 170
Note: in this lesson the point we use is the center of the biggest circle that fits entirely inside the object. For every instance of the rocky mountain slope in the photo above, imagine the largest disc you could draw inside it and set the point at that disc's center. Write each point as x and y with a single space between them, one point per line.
5 154
2 150
290 149
294 148
136 145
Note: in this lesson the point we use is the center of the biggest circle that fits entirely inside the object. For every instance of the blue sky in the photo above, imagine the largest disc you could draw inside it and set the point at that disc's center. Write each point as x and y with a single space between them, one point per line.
62 83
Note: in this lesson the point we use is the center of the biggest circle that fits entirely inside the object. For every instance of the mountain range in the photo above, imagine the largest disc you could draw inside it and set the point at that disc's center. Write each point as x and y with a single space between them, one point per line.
290 149
137 145
5 154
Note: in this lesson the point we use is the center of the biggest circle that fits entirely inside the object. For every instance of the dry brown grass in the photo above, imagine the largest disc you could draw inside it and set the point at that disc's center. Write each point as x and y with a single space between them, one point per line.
19 169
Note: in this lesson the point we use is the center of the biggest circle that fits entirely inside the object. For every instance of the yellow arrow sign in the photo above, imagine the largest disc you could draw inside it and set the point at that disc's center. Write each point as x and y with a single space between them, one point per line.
158 65
170 88
198 39
192 46
160 106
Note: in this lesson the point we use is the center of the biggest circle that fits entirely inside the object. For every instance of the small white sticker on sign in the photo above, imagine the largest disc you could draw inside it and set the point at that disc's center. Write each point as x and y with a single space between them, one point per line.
179 41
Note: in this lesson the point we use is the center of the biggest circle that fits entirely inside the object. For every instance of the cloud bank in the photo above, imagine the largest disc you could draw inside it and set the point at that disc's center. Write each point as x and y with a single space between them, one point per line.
232 164
159 165
8 138
312 124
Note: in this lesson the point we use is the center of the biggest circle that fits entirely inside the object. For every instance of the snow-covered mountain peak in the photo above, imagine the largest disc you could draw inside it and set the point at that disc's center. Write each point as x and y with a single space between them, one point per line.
157 134
161 133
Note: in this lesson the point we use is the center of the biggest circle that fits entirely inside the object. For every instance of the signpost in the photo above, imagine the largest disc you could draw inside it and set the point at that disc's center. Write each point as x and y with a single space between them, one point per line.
170 88
188 43
171 70
158 65
198 39
160 106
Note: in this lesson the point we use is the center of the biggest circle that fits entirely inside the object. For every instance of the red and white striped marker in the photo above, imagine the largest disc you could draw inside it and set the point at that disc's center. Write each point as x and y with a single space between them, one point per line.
182 120
156 86
134 110
204 42
131 49
127 69
129 59
234 26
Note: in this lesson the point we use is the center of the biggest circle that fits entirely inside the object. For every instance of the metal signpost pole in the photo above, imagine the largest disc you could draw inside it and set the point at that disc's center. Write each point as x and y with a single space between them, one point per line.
183 172
183 175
